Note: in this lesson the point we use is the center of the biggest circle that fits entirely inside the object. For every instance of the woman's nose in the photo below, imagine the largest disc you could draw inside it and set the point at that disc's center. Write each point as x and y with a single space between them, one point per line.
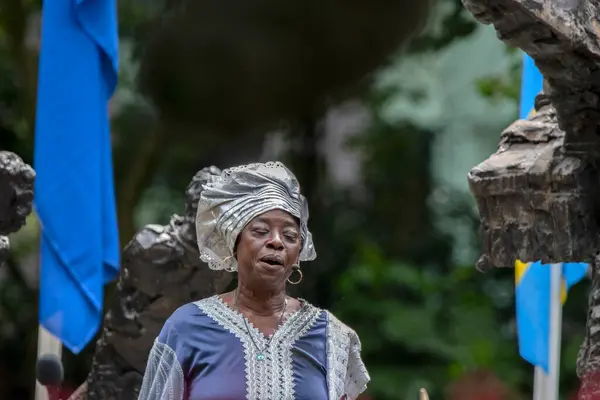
275 242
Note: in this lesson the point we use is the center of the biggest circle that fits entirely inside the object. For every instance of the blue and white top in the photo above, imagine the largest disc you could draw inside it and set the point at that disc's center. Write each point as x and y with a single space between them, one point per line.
208 351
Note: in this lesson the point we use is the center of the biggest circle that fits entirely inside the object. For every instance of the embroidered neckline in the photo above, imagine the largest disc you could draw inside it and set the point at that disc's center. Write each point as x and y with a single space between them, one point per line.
269 377
304 305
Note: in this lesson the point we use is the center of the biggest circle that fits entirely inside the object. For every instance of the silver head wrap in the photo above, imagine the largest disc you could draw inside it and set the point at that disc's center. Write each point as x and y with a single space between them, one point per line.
231 200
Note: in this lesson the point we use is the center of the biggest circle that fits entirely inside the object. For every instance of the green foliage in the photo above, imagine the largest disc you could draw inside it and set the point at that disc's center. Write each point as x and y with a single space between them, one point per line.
450 22
423 321
498 87
421 327
384 267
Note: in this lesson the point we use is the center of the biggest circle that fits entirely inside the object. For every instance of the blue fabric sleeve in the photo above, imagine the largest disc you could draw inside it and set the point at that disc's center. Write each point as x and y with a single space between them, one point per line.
164 378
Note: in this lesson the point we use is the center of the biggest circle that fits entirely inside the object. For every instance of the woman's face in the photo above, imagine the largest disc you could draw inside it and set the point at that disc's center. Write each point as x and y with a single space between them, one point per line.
267 248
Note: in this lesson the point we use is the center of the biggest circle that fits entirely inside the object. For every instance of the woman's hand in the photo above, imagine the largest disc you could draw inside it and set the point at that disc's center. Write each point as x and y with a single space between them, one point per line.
423 395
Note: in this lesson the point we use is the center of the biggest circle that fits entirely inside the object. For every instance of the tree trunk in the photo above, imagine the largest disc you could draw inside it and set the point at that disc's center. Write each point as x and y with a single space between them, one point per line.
306 162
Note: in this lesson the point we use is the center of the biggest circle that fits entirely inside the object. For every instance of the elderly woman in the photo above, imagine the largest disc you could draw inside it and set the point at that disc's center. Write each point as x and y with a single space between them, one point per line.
255 343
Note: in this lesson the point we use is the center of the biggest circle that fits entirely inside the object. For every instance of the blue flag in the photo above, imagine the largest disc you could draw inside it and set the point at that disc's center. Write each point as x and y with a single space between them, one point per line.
531 85
532 301
74 190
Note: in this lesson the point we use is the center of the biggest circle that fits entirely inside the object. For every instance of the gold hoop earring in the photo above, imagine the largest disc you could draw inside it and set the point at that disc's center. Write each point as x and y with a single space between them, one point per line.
296 267
226 260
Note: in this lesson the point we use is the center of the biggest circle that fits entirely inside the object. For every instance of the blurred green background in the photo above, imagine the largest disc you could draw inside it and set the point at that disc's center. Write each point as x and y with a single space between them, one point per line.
385 174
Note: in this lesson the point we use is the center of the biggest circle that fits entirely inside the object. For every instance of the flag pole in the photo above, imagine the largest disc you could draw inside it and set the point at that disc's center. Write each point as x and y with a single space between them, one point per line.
546 386
47 344
556 278
540 383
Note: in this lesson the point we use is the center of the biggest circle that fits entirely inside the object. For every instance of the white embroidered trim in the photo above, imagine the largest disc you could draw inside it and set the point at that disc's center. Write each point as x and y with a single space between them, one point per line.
271 378
163 379
347 373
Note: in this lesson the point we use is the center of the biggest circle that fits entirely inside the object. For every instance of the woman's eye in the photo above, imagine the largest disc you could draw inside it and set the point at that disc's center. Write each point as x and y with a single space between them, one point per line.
291 236
261 231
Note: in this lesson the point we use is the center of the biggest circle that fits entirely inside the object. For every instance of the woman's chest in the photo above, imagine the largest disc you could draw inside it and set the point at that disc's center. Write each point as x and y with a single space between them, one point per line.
240 367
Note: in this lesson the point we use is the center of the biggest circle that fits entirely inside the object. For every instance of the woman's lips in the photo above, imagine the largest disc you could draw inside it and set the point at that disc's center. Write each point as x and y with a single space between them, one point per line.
273 259
272 267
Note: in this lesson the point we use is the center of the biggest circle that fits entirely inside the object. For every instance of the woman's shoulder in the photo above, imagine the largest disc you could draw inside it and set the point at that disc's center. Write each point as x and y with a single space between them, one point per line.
188 316
337 325
346 358
337 330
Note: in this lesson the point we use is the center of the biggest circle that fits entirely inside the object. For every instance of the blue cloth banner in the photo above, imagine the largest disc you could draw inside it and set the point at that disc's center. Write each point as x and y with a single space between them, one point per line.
74 191
532 301
531 85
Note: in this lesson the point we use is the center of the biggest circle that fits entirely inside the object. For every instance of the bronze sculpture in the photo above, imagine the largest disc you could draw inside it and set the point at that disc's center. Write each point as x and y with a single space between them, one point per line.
161 271
546 167
16 196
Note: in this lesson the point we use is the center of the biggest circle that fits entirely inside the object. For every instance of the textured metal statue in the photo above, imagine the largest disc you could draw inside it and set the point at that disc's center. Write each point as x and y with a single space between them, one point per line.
538 195
531 193
161 270
16 195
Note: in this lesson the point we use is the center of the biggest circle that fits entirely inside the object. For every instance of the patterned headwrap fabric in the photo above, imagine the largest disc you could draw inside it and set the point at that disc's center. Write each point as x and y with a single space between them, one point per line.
231 200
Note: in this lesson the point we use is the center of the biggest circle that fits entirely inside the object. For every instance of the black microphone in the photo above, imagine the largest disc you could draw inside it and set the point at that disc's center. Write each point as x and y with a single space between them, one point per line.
50 373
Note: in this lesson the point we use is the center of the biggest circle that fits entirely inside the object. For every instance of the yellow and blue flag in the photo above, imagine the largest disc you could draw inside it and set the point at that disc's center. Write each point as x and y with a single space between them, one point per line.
531 85
74 192
532 301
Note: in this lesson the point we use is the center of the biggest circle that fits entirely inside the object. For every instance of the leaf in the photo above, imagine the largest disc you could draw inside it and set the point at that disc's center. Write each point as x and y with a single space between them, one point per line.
405 275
